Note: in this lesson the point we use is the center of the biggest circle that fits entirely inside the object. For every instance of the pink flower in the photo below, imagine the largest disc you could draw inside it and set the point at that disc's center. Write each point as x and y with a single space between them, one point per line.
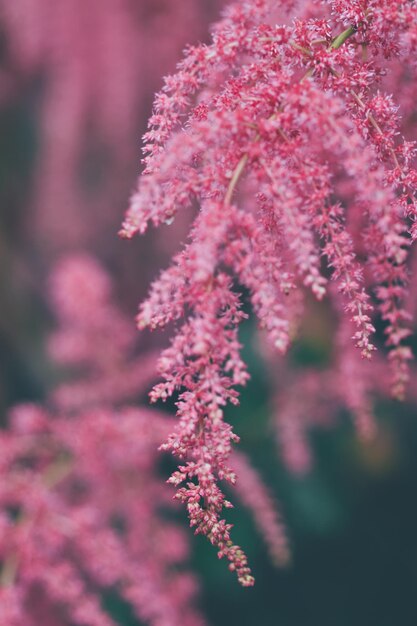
279 134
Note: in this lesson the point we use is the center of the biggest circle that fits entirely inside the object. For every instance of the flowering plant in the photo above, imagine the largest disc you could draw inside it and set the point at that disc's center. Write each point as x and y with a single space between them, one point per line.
287 140
290 140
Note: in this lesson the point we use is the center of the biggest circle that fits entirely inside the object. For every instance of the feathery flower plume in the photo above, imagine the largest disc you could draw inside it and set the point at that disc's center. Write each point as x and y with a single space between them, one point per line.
82 505
265 130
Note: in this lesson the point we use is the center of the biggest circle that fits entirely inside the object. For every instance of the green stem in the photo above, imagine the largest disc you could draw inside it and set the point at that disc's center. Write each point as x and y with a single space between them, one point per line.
340 39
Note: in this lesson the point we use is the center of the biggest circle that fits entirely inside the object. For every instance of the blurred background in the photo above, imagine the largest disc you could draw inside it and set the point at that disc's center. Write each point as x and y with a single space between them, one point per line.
77 80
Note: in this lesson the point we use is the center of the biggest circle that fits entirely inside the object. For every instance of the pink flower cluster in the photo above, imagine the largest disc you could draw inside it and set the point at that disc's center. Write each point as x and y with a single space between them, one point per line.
81 500
287 139
80 515
94 337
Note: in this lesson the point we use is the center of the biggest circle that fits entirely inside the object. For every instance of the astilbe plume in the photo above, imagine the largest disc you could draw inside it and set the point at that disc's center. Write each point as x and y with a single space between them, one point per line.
287 138
83 510
81 505
111 371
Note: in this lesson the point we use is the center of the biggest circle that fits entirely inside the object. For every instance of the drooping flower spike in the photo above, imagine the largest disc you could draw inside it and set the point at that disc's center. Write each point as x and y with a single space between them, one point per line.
281 131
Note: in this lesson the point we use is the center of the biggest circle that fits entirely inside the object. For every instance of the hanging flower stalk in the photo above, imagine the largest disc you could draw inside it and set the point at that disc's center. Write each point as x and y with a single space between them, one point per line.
278 133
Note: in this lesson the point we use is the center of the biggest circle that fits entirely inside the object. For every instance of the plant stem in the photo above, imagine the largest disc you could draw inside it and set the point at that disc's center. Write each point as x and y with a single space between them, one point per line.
340 39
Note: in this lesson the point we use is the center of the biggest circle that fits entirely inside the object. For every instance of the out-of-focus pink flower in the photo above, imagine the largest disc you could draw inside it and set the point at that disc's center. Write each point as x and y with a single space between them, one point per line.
80 510
97 64
94 335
